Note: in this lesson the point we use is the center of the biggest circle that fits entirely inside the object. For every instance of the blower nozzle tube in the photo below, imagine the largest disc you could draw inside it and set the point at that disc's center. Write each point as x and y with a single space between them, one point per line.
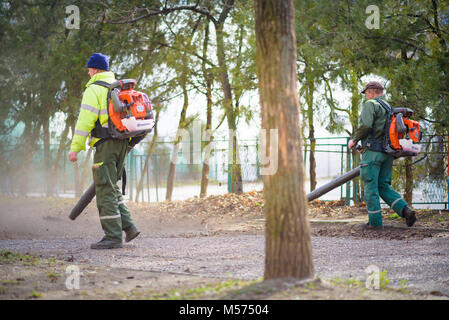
333 184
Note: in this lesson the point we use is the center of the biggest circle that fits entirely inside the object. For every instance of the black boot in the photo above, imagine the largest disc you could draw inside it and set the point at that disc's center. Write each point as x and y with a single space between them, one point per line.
106 244
131 233
409 216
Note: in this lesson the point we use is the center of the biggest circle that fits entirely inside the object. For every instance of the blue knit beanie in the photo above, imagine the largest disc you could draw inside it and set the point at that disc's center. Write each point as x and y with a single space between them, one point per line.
98 61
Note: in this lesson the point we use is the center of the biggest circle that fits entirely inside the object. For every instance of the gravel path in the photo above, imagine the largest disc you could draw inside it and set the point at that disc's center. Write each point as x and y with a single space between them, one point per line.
423 263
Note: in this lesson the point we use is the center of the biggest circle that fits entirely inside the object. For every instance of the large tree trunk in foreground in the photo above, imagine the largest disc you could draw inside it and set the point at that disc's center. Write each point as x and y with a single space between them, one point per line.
288 251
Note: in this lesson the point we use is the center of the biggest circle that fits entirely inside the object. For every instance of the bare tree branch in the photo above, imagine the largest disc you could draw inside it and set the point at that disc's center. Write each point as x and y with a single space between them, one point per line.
163 11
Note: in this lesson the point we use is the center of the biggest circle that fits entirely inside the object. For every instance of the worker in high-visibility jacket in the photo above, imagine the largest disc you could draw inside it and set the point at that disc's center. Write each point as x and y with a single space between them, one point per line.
376 167
109 157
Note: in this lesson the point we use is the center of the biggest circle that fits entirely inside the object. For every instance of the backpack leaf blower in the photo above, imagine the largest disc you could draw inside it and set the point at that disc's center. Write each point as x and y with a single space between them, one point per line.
130 113
401 134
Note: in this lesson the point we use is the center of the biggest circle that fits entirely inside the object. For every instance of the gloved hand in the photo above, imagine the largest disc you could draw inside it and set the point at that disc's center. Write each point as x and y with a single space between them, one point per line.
351 144
73 156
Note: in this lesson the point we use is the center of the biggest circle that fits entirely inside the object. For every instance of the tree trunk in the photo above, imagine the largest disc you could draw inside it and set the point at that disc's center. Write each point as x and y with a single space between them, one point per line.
172 173
236 168
312 161
174 159
205 176
288 250
55 166
408 194
208 78
47 156
206 168
76 171
355 102
21 153
29 148
310 88
237 184
147 160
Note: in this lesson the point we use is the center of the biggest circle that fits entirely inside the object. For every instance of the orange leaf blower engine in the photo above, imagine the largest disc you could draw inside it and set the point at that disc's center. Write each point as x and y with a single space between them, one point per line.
402 134
130 111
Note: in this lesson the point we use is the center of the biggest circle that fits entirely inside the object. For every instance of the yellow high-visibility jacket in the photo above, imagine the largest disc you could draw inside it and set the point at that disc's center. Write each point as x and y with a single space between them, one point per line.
93 108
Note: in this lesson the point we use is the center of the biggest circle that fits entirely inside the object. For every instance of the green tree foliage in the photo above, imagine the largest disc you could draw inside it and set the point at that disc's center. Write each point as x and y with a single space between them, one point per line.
161 44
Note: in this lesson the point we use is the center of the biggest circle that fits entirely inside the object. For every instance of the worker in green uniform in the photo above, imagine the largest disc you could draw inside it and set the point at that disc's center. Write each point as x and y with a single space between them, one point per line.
109 156
376 167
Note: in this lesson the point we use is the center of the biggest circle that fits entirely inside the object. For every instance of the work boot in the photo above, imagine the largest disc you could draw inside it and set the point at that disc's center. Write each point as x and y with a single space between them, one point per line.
106 244
409 216
367 226
131 233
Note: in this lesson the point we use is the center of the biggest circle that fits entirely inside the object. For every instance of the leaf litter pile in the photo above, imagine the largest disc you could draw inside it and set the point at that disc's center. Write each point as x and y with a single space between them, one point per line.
327 218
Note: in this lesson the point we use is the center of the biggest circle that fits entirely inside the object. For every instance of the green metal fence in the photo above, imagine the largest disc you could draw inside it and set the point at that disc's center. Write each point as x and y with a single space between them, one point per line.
188 174
332 159
430 190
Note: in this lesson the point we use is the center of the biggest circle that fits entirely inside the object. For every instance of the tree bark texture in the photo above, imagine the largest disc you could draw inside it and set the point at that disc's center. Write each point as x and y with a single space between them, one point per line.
208 78
147 160
174 159
310 89
47 155
56 163
288 251
76 171
408 195
230 110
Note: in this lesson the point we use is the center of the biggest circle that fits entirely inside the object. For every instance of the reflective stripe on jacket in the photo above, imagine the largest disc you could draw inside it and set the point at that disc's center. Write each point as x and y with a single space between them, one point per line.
93 107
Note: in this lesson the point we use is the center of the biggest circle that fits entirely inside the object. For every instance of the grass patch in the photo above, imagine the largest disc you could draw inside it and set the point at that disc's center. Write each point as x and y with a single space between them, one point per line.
7 257
394 216
353 283
234 286
6 281
383 279
35 294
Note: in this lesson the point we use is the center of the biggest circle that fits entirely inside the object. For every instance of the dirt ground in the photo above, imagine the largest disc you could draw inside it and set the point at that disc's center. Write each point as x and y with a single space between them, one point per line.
38 242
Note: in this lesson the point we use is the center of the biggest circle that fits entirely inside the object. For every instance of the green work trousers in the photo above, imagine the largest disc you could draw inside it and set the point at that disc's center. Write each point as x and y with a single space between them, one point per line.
376 169
109 162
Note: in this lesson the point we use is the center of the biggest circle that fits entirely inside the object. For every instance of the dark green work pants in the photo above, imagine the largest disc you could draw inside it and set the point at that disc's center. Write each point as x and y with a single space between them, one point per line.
376 169
109 161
